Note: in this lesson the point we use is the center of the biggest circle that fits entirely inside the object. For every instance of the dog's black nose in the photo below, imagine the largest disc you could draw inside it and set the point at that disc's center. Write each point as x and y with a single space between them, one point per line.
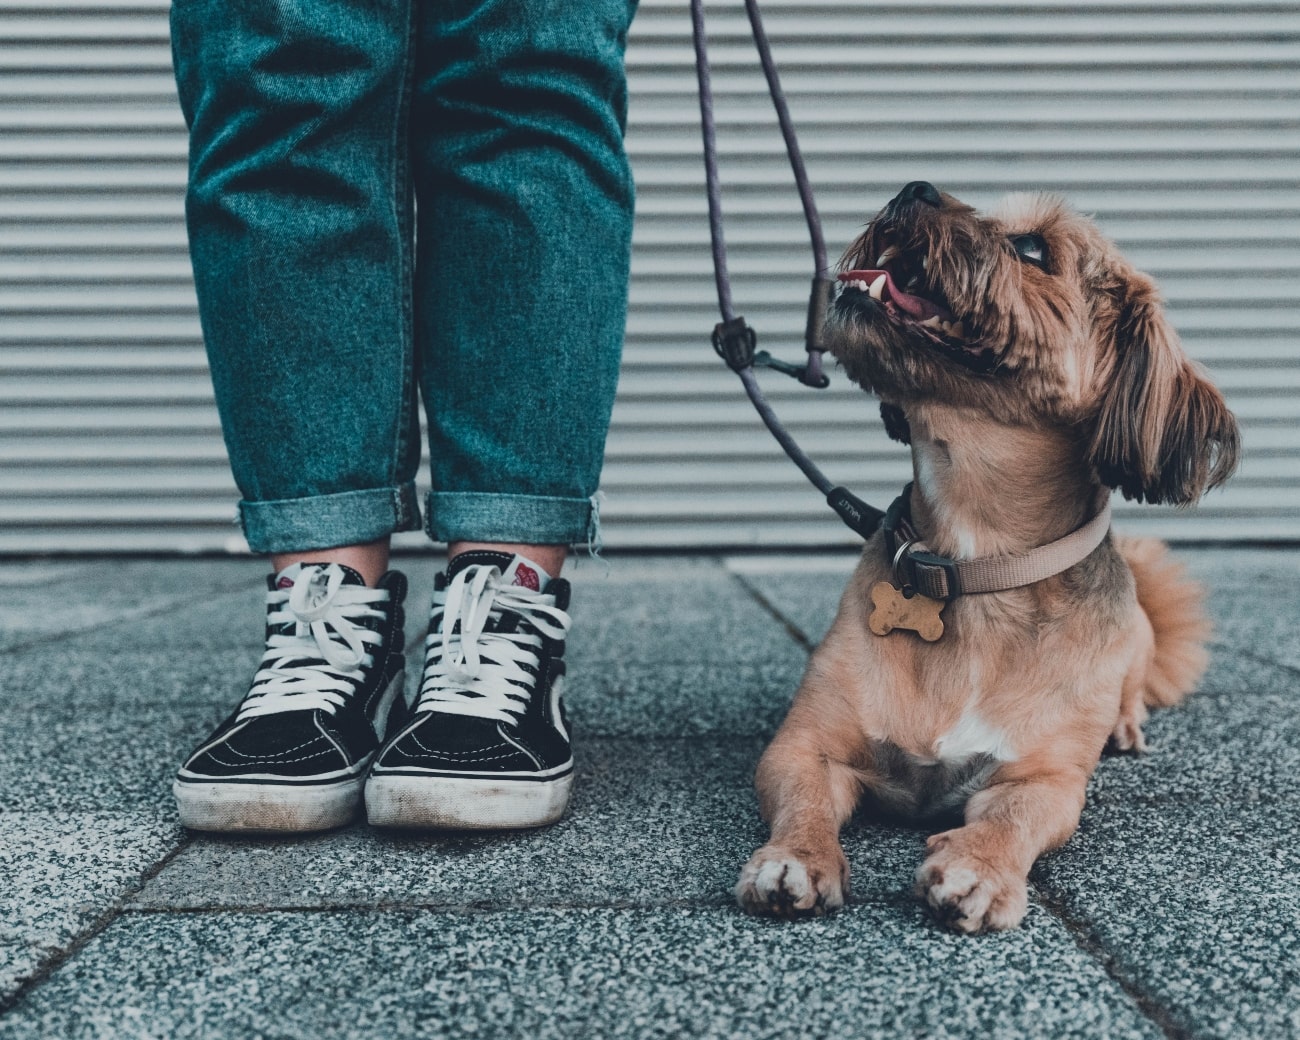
921 191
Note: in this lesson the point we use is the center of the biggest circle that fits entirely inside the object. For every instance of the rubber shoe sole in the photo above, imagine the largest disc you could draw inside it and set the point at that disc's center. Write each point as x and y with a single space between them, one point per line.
454 803
267 808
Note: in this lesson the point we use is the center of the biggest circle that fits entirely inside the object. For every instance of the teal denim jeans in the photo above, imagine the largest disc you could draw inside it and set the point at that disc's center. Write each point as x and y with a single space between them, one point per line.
397 196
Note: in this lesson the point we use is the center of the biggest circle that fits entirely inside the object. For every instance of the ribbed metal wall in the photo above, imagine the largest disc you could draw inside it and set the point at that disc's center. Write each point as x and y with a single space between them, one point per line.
1177 124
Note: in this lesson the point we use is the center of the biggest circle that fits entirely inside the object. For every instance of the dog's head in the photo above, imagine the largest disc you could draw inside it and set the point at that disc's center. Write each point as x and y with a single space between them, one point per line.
1030 315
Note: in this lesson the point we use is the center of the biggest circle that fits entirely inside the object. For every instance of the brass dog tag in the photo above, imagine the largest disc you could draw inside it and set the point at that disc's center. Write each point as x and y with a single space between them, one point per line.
893 609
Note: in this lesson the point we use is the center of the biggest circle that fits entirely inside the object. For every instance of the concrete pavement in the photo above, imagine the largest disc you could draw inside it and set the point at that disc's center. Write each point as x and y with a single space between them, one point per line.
1174 912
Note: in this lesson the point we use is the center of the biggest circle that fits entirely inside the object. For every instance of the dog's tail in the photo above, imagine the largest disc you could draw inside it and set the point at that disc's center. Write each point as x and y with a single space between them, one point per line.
1175 606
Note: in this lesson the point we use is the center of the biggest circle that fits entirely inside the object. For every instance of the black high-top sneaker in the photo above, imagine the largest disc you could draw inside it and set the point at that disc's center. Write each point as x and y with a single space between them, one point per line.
487 745
293 756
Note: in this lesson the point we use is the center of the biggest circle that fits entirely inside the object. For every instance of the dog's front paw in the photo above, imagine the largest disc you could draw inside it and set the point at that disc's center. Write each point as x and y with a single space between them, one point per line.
969 894
782 883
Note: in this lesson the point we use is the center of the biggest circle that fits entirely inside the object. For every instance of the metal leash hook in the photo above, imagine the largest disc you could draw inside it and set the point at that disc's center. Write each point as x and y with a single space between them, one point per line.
733 338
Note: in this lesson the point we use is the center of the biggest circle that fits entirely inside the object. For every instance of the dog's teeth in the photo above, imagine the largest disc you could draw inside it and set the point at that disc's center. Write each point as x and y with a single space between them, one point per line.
945 327
925 263
932 322
877 288
858 284
957 330
886 256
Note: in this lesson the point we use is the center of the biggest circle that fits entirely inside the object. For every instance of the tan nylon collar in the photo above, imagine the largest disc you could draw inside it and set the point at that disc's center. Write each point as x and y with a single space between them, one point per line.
940 577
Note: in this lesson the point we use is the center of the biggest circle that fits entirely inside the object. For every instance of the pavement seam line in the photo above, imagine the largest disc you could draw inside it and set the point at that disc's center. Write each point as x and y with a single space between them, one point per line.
1249 656
71 635
83 938
1091 946
491 906
770 608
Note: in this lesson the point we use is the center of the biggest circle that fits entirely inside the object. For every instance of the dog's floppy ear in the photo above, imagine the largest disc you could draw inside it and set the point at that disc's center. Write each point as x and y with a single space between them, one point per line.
1164 433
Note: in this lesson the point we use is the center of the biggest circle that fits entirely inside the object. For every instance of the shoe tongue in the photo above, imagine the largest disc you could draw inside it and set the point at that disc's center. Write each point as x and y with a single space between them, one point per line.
289 576
515 570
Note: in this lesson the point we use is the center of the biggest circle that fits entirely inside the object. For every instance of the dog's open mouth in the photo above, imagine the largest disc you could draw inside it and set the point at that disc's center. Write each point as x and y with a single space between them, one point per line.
917 306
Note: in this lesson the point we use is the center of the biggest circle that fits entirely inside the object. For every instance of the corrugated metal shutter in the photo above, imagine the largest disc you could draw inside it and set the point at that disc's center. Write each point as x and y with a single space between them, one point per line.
1177 124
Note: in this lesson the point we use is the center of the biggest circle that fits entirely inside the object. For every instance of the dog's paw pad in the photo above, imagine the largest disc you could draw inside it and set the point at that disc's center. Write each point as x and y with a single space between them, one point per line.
971 897
779 883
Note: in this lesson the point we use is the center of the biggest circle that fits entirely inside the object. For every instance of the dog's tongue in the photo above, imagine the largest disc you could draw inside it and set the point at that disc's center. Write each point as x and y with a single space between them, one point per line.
914 306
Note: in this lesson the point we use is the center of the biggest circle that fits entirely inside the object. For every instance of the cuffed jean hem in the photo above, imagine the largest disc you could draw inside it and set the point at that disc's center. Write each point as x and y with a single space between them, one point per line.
471 516
328 521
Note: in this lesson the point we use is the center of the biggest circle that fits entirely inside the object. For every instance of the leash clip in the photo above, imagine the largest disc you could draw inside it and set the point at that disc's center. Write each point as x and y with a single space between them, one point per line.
734 342
817 380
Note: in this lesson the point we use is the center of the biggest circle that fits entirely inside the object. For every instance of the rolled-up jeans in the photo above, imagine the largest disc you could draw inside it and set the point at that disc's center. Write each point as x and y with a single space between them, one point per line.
392 194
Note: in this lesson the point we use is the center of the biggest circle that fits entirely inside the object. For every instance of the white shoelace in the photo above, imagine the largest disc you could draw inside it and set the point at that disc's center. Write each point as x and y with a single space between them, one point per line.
470 671
324 658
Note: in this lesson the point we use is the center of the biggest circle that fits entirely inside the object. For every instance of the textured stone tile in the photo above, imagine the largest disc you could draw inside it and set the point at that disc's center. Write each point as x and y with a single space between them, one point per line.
677 650
66 679
62 871
659 823
804 590
1237 740
98 761
876 970
1197 906
41 601
692 698
678 617
1254 599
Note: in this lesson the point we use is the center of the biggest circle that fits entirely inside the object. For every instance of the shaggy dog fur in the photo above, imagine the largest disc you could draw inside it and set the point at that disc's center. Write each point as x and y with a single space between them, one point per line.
1032 369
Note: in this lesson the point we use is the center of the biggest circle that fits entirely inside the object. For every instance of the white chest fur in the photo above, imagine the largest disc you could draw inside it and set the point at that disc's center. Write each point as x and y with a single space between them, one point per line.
972 737
932 466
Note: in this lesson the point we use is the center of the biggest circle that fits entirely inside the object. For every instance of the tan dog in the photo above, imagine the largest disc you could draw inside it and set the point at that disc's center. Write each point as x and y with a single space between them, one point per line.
1033 370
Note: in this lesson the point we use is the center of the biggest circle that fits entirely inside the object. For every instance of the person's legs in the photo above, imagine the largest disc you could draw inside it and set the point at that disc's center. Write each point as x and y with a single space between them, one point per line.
525 217
299 213
299 217
525 222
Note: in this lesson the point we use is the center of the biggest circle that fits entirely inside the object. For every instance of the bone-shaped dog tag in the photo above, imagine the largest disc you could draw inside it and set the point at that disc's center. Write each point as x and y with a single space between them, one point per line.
893 609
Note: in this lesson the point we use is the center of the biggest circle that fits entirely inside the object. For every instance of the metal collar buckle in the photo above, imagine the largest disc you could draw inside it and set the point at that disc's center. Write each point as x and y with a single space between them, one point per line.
925 572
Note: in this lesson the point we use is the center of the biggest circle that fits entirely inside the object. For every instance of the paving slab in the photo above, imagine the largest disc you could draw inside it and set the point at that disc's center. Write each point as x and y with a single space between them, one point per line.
872 971
97 761
67 679
651 824
62 872
1238 746
1254 599
678 649
40 602
677 616
804 590
692 698
1197 906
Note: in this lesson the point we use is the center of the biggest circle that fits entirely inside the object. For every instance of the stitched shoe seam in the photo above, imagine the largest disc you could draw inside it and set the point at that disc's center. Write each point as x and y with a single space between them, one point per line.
415 737
270 759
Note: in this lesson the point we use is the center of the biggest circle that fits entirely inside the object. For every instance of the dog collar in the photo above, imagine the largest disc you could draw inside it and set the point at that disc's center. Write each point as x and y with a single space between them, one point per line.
918 569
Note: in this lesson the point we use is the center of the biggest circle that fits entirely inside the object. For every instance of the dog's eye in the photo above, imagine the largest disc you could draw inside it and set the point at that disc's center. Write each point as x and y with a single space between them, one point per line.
1031 249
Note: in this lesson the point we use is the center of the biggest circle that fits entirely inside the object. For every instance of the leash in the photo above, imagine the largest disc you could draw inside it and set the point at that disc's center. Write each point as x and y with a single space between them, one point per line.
937 579
734 340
